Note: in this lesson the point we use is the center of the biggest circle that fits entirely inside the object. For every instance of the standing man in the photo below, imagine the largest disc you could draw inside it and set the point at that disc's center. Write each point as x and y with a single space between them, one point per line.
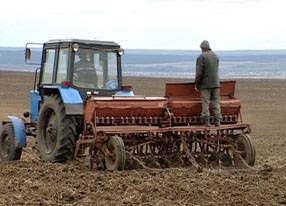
207 81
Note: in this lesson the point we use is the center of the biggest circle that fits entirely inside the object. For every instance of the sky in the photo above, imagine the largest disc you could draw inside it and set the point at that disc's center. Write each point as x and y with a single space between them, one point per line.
148 24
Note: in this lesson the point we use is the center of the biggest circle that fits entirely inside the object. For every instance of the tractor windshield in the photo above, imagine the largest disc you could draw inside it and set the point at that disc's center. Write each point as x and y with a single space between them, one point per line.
95 69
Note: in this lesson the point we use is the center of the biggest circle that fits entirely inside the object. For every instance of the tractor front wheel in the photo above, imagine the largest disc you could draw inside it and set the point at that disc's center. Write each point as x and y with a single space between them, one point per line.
114 154
56 132
8 149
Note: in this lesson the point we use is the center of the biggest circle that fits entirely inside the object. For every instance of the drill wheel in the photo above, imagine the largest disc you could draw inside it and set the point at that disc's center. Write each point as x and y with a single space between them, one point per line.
114 154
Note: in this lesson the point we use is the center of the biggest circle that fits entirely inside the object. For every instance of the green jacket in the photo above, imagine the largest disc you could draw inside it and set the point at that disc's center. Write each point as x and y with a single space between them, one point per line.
207 71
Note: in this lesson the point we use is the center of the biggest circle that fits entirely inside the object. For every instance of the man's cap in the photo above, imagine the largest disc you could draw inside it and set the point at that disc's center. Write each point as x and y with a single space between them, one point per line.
205 45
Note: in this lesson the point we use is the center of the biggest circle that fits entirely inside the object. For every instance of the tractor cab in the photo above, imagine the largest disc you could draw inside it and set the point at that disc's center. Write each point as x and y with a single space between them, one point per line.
85 65
74 69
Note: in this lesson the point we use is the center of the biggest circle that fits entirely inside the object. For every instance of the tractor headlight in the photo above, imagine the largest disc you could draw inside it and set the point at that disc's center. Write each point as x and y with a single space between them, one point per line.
121 52
88 93
75 47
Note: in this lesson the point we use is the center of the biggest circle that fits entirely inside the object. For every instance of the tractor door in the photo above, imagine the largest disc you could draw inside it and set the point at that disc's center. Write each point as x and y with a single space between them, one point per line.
48 66
55 67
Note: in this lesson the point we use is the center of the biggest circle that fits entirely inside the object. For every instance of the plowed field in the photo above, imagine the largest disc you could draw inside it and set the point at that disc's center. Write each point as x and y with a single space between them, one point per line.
32 182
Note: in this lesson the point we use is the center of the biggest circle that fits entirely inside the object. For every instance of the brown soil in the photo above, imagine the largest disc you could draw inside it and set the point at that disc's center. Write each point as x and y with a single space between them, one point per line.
32 182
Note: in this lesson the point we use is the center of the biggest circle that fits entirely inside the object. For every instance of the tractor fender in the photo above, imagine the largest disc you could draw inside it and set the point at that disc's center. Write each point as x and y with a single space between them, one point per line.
72 100
20 132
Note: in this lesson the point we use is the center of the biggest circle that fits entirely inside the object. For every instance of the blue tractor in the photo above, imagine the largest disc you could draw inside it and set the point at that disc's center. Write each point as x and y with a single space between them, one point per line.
70 71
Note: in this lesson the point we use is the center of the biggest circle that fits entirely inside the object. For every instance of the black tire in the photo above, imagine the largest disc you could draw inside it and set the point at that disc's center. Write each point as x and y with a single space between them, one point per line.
8 149
56 132
116 161
244 145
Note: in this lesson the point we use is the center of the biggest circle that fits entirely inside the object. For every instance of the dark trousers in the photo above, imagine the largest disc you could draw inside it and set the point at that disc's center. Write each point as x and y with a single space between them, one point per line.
211 96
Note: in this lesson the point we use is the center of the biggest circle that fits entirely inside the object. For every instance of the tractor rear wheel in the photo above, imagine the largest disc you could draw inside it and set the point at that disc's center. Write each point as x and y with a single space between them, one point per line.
8 149
56 132
115 156
245 149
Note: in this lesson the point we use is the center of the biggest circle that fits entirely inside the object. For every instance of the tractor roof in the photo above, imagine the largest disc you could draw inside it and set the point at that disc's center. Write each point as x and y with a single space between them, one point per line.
85 41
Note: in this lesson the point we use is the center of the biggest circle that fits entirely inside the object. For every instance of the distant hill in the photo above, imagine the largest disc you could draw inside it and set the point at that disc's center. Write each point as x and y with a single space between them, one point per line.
176 63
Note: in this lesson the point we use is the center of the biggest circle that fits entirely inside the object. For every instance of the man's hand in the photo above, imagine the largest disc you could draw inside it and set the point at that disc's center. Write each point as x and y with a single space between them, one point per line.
196 88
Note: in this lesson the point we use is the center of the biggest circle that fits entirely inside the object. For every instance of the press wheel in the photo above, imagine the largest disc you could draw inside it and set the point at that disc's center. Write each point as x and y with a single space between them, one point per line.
114 154
244 151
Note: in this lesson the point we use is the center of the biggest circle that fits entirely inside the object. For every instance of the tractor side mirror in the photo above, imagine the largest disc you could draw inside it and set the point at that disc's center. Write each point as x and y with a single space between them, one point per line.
33 53
28 54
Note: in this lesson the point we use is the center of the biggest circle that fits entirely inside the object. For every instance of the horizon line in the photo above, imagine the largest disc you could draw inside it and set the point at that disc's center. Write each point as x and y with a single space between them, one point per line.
184 50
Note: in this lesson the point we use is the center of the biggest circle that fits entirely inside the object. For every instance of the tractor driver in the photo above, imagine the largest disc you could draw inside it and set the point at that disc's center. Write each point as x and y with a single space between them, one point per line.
84 69
83 60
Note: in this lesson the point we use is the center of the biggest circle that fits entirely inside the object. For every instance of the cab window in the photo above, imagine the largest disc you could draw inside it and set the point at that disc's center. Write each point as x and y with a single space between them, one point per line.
48 66
62 65
95 69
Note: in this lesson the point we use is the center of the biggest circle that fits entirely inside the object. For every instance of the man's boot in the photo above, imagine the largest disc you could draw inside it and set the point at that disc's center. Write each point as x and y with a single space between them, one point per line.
217 122
207 122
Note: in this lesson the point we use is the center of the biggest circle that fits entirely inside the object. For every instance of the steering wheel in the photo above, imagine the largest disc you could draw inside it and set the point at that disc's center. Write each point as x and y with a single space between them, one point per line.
86 68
